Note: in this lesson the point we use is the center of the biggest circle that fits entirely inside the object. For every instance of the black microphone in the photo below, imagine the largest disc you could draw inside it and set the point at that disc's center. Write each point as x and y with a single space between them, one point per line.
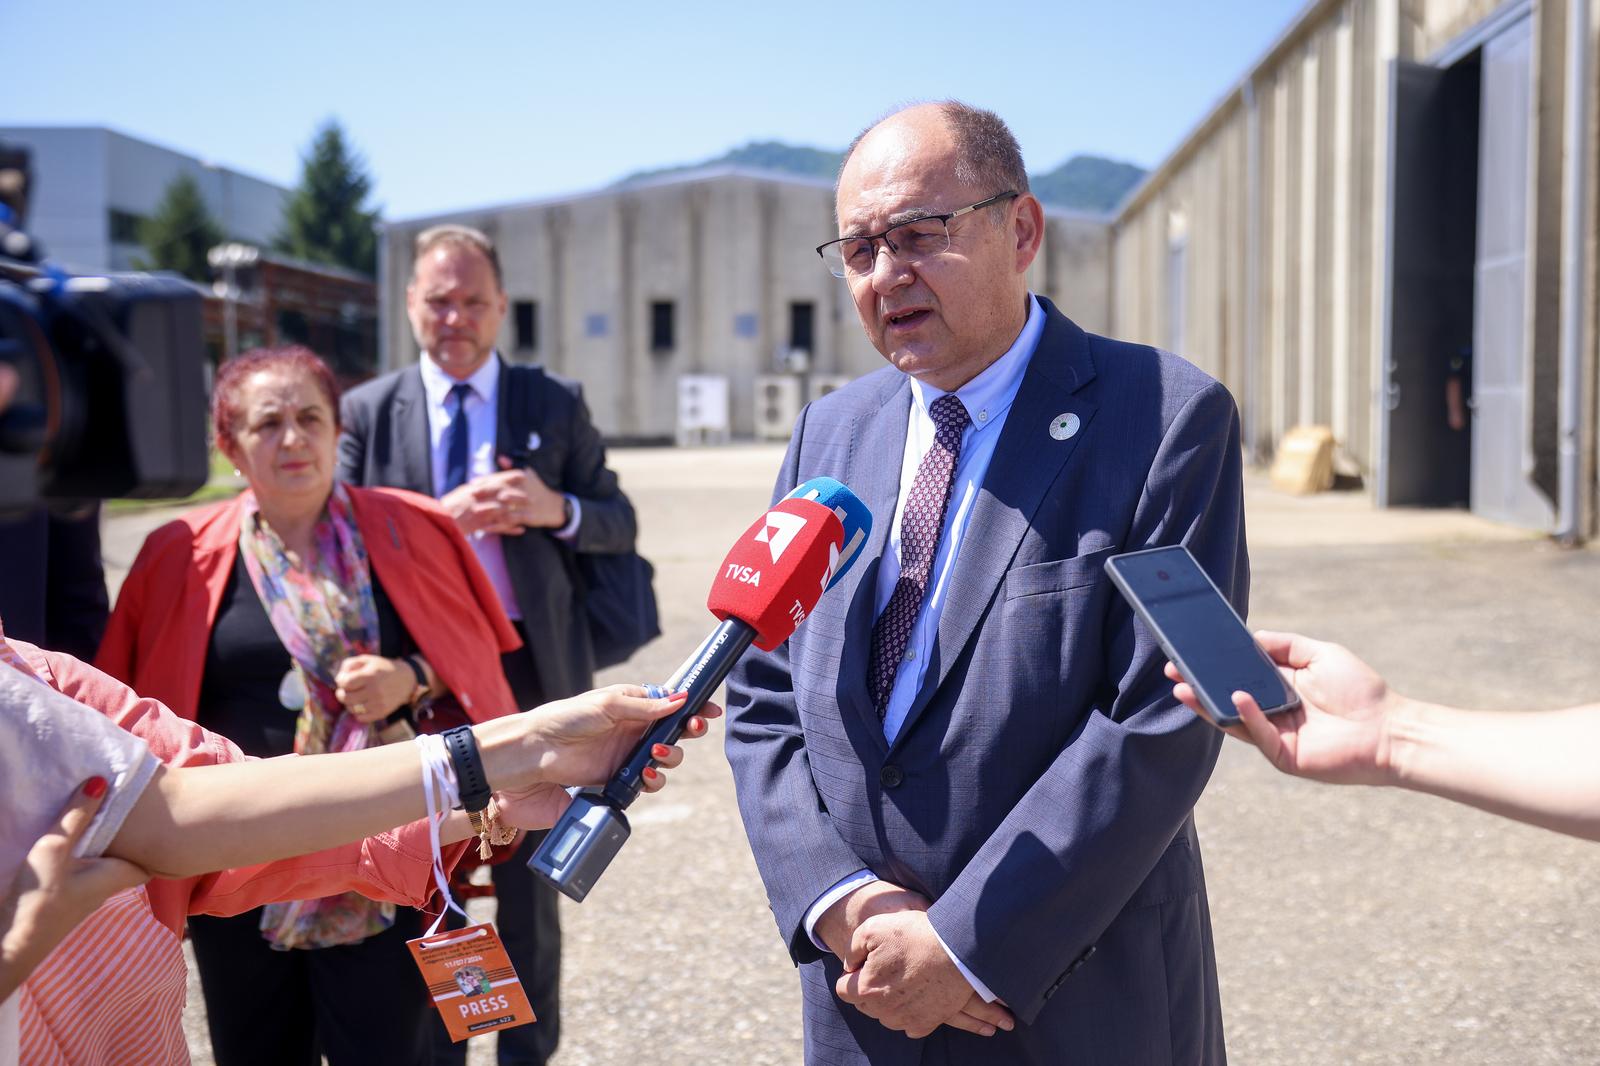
770 580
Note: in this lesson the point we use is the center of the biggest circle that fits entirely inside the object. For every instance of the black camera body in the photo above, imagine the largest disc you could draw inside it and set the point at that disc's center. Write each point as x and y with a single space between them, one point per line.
111 400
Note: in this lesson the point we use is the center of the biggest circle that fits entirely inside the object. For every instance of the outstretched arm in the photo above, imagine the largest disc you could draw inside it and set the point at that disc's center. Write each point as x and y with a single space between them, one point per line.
197 816
1351 728
270 809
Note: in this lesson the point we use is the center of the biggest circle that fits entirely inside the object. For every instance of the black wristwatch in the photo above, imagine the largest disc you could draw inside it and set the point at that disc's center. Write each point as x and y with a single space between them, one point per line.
419 695
471 783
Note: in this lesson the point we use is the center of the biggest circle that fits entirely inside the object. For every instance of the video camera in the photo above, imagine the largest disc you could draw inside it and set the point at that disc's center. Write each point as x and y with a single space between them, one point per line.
112 399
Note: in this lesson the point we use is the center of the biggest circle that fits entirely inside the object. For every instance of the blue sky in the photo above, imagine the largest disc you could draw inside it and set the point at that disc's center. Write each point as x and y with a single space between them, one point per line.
459 104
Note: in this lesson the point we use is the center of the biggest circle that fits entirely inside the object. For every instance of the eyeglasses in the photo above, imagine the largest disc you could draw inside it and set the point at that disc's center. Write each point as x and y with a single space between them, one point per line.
912 241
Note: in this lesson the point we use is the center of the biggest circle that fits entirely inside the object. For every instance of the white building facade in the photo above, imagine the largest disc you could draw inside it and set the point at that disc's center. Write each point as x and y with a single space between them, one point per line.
705 276
93 187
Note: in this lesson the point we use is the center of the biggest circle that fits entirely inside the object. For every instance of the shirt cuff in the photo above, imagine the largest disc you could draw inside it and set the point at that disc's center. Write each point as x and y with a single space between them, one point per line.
829 898
972 978
570 530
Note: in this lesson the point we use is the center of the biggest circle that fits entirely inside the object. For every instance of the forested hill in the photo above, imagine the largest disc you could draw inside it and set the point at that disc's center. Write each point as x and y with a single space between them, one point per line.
1082 183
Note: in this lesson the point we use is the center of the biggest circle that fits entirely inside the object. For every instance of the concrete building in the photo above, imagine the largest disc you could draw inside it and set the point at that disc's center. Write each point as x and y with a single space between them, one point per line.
1386 227
93 187
707 276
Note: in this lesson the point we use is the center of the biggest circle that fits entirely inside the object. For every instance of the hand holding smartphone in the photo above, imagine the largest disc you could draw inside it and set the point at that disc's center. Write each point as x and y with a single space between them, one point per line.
1199 631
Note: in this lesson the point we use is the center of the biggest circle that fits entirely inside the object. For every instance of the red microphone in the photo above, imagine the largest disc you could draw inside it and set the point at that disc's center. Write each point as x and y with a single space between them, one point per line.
773 575
771 579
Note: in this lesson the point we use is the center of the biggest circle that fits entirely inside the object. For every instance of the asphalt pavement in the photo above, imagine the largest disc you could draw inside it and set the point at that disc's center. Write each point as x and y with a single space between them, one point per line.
1352 925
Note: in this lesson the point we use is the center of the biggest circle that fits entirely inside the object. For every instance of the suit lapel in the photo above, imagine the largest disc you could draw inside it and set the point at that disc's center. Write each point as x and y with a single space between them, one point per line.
508 409
872 471
1027 461
411 432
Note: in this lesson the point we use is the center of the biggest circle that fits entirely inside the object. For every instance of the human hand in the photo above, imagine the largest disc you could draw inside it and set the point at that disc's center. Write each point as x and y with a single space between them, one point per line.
908 982
1339 734
539 806
505 503
838 924
526 500
476 508
372 687
531 757
53 891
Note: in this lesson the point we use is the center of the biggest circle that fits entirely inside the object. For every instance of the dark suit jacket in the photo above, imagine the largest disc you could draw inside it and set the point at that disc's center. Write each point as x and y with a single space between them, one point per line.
384 441
1040 789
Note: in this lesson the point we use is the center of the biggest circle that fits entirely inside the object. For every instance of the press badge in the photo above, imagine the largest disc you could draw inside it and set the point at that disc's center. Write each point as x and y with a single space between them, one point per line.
471 981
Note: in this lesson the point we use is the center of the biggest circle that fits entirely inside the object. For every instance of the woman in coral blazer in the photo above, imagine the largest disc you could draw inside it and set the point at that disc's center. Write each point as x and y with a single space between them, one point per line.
308 616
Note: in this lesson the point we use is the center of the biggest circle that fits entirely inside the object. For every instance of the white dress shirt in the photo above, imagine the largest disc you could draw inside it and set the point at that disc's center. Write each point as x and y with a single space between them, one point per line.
988 399
481 410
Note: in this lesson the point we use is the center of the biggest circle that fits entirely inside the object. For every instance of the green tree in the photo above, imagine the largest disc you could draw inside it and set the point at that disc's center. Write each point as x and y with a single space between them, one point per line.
326 220
181 232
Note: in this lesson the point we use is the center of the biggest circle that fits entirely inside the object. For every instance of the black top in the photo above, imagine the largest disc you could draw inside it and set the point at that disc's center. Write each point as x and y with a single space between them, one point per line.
245 663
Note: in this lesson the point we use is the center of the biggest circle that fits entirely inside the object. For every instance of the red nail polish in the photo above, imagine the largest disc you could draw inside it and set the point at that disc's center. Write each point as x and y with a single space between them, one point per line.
650 774
95 787
659 751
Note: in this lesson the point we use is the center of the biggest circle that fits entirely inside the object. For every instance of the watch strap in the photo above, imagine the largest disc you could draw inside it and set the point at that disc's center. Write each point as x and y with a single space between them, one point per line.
471 783
419 693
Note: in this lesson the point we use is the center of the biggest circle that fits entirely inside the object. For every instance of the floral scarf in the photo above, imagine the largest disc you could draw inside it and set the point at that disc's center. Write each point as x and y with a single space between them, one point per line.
323 614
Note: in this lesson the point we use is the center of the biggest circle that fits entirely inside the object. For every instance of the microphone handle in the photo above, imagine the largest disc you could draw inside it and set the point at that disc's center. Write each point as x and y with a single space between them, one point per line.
700 676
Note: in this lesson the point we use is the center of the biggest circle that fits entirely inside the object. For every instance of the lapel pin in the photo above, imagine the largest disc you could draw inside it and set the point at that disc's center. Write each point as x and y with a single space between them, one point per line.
533 441
1064 426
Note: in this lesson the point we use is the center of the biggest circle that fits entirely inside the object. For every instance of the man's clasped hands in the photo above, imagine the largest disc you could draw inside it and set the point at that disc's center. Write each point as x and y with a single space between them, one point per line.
895 967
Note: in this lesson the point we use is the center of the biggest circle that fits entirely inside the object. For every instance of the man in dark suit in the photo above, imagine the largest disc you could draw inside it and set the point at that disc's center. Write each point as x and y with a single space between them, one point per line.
966 783
512 454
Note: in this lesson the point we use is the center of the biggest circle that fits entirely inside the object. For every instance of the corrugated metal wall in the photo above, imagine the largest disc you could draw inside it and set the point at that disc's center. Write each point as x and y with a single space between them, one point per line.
1298 345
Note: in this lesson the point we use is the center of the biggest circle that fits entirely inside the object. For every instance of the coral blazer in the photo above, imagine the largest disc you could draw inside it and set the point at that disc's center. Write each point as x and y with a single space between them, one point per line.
157 638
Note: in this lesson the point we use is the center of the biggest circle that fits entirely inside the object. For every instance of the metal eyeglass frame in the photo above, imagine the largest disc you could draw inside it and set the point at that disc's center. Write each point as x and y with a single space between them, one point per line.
874 238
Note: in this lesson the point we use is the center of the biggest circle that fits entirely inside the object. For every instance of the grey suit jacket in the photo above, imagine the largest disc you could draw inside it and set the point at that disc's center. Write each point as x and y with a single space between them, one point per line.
1040 790
384 441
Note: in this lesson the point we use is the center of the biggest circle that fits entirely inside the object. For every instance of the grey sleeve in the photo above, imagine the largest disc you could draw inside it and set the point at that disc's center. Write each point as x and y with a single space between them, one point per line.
49 745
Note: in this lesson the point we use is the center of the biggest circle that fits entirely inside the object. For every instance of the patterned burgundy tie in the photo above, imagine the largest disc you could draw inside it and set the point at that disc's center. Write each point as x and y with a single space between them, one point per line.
920 525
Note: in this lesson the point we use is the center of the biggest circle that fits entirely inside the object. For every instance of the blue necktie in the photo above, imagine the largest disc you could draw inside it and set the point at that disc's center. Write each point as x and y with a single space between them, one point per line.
455 461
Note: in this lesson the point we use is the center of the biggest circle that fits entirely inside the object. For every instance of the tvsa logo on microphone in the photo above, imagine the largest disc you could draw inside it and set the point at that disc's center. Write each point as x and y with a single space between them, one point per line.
746 574
779 531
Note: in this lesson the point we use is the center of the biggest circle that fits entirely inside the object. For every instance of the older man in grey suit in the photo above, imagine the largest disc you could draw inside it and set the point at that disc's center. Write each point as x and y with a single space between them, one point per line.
965 780
512 454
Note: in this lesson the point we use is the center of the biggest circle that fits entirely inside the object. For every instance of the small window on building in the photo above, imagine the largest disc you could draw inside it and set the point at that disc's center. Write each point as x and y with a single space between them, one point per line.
1177 279
124 226
1177 293
526 313
661 323
802 321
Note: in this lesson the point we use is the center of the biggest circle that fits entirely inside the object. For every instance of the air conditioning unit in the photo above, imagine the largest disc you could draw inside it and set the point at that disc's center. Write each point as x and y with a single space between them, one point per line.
702 409
777 406
822 384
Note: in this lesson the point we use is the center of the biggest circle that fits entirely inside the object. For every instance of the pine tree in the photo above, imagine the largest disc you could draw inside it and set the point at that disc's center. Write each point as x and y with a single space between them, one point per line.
325 220
181 232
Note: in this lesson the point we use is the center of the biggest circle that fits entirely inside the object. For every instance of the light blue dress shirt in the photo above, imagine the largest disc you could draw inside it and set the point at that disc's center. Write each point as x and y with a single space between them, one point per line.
987 398
481 410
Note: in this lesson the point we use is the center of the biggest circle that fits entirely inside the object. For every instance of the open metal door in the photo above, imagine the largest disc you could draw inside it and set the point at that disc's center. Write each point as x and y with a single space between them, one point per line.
1502 484
1431 234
